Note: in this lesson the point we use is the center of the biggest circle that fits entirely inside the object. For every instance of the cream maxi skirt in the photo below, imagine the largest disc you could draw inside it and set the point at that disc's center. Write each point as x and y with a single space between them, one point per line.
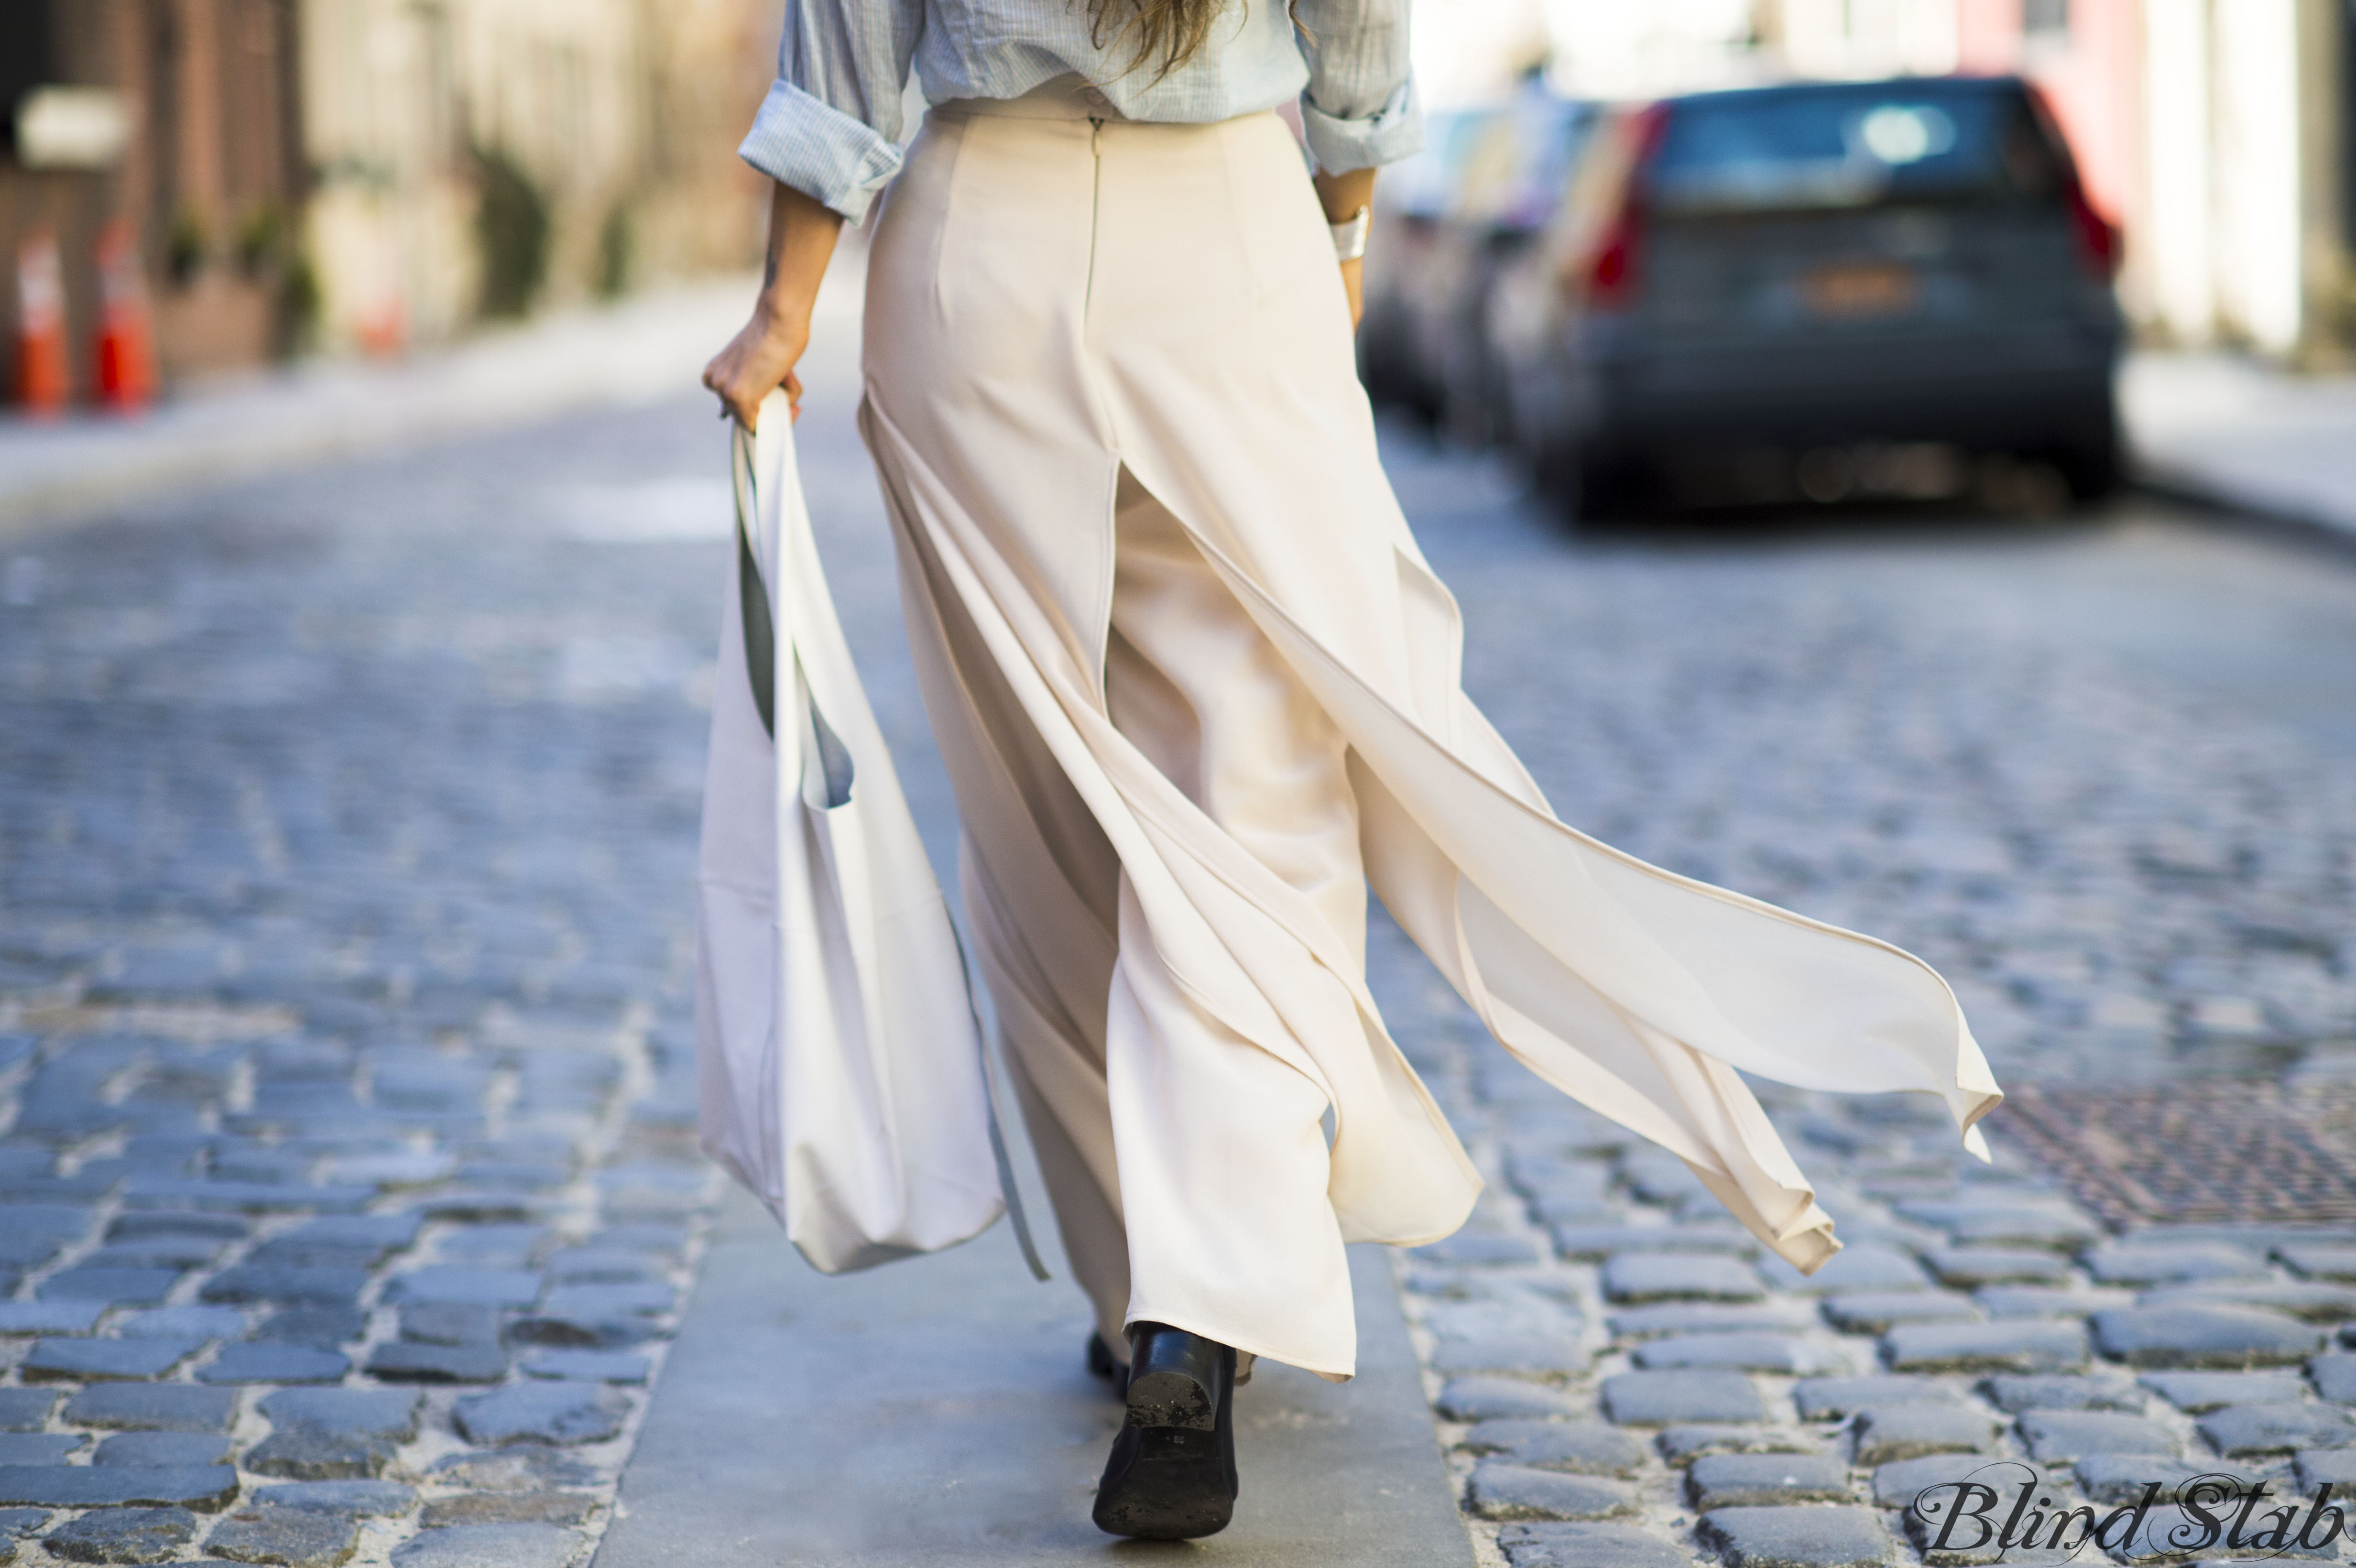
1195 688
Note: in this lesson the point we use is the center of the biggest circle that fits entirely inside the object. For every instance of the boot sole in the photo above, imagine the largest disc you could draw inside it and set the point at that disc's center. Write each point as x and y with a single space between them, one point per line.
1175 1488
1178 1485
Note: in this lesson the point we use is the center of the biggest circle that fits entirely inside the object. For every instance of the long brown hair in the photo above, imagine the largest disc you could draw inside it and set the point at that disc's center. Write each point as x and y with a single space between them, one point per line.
1164 34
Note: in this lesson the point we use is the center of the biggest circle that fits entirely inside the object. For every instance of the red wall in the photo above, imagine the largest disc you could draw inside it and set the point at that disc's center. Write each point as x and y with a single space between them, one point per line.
2092 83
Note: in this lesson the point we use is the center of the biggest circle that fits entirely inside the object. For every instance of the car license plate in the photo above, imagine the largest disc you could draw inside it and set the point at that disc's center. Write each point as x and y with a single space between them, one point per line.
1858 290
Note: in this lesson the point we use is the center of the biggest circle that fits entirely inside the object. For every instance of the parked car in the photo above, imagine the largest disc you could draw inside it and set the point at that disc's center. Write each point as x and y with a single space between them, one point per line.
1413 200
1486 184
1788 281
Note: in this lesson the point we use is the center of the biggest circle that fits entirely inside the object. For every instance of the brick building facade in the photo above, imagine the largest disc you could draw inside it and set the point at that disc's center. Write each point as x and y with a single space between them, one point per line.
365 175
209 176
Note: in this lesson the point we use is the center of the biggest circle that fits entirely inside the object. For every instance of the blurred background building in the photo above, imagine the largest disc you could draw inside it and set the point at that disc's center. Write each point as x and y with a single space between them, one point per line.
475 158
272 175
256 176
172 127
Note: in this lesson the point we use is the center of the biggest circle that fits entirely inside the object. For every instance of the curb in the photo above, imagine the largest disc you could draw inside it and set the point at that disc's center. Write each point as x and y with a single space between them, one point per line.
2224 508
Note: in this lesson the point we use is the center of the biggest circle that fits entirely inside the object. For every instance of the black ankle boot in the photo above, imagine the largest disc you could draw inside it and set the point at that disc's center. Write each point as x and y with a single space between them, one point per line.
1172 1473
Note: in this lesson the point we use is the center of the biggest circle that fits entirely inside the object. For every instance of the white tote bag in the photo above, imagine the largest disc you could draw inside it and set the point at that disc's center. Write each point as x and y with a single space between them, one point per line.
843 1079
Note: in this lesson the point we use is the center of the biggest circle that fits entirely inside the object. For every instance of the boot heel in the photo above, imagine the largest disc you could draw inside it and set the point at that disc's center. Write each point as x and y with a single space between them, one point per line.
1172 1473
1175 1379
1162 1399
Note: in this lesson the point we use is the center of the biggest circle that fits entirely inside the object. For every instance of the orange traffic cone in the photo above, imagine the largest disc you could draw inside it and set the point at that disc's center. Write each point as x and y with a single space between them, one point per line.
42 384
126 333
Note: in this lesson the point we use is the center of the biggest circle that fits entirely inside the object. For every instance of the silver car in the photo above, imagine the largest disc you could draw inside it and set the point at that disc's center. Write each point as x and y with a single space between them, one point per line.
1407 258
1819 290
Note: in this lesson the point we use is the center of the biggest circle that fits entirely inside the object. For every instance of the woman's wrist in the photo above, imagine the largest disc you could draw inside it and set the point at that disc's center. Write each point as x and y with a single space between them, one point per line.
1342 195
783 312
802 233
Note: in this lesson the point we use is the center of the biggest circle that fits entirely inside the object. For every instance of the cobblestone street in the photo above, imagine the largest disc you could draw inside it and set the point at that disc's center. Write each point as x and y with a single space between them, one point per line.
349 1186
2067 769
350 829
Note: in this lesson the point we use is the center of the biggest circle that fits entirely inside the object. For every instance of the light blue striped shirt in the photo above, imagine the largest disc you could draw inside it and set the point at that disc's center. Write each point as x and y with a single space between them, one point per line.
830 127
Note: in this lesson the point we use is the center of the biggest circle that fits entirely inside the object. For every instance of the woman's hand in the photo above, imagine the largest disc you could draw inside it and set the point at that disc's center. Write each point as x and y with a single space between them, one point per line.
761 356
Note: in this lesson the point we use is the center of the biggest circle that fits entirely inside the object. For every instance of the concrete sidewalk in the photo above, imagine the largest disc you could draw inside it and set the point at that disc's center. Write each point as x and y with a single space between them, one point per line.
937 1410
643 349
2232 433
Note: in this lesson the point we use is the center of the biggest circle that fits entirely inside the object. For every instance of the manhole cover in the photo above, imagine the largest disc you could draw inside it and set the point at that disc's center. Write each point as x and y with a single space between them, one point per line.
2197 1151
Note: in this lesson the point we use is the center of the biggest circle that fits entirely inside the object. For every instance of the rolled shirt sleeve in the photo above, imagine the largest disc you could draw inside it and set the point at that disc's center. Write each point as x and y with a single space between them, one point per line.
1359 110
830 125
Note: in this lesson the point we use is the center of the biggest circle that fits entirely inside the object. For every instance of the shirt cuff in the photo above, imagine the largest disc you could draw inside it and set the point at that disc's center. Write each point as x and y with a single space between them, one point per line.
1391 132
819 151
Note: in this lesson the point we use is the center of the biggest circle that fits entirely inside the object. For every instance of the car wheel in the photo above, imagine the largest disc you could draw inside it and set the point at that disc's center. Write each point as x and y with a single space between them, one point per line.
2093 463
1379 367
1613 492
2092 469
1554 475
1587 490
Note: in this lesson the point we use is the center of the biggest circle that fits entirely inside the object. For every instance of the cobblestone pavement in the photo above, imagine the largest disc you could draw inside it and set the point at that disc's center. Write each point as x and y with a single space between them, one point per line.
1603 1347
2134 879
348 1181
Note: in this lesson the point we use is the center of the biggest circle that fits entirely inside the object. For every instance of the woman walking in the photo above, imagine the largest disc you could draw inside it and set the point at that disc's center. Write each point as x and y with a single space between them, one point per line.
1196 686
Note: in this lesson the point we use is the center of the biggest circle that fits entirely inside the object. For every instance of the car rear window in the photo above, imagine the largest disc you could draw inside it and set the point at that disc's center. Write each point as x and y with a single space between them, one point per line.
1784 150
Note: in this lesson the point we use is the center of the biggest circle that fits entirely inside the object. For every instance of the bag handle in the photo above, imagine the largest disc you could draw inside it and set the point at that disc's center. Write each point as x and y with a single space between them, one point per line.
752 593
835 771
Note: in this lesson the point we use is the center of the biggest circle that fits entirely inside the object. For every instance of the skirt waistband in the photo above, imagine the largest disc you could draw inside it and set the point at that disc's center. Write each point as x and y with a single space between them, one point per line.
1068 97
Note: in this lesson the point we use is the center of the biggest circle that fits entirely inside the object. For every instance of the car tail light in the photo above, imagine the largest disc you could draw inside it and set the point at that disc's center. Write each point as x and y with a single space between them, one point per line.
1612 267
2100 247
1612 275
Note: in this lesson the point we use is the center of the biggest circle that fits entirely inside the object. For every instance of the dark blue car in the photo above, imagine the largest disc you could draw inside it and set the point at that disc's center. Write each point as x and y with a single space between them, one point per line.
1819 289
